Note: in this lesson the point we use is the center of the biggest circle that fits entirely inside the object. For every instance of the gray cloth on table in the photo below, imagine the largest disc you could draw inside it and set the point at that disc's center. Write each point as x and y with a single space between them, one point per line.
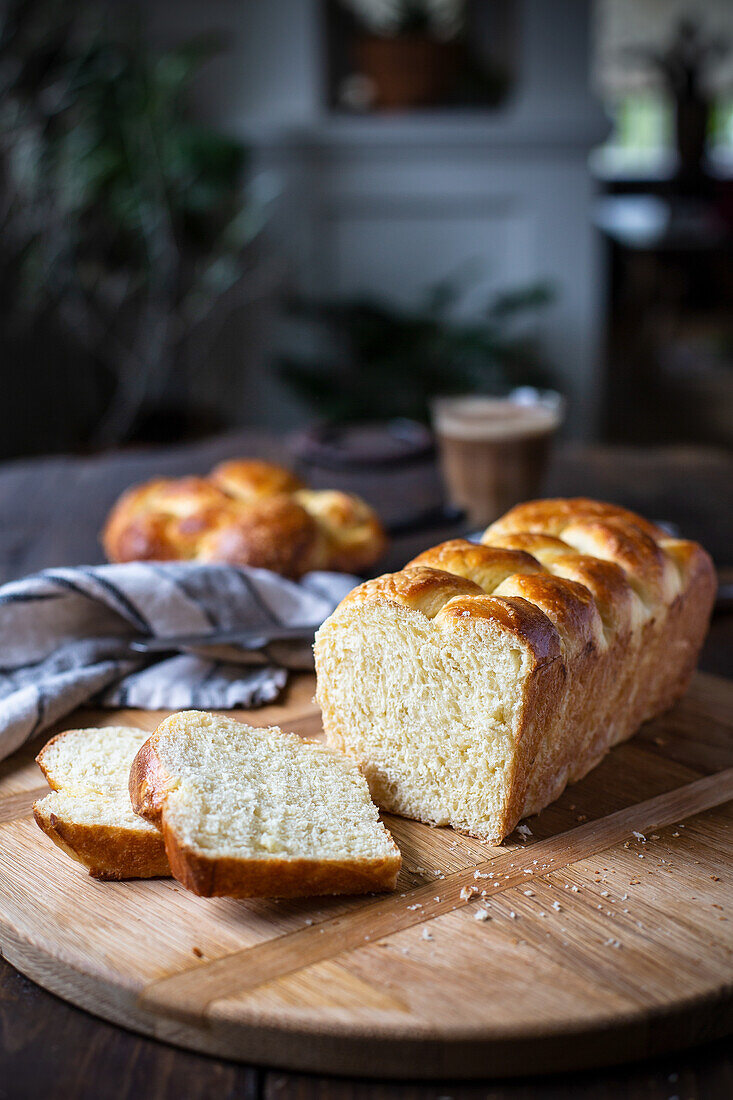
65 638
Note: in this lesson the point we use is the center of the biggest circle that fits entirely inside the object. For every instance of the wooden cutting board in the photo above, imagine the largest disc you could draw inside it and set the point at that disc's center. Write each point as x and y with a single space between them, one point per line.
609 933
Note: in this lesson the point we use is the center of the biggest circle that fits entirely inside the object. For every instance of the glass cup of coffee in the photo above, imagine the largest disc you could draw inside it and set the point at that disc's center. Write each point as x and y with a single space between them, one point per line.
494 450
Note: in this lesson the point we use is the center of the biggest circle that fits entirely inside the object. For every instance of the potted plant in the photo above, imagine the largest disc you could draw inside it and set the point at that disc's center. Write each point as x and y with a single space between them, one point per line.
406 51
389 361
125 224
683 67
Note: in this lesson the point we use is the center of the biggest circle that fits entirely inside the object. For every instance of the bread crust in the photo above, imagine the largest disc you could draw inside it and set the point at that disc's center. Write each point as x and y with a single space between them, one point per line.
112 853
276 878
149 784
207 876
271 533
251 479
621 608
352 534
246 512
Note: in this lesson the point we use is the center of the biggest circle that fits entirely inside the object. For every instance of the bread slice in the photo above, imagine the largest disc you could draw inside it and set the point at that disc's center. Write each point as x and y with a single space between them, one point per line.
260 813
88 814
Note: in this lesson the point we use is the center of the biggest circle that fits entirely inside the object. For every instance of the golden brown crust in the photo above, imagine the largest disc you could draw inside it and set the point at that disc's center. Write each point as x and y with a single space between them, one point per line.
251 479
354 538
276 878
41 760
648 568
552 516
272 533
108 852
246 512
487 566
617 603
163 519
419 587
149 783
208 876
518 616
567 604
544 548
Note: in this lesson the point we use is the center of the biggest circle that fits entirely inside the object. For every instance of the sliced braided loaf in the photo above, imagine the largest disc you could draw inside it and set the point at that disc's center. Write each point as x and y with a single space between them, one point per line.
473 685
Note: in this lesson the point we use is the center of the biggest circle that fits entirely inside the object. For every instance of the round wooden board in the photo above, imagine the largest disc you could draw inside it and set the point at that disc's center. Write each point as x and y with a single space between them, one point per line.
600 946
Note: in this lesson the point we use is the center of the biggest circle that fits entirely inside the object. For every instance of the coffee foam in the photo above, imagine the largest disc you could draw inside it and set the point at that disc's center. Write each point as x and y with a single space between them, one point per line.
479 419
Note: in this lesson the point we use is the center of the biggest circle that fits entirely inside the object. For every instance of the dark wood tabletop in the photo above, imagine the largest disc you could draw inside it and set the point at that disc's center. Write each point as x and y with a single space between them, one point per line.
51 510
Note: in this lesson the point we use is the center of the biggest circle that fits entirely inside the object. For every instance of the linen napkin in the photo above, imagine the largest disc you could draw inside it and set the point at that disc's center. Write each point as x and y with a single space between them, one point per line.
65 638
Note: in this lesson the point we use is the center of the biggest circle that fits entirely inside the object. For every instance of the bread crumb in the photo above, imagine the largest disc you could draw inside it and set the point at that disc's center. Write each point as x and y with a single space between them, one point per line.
198 952
529 893
426 935
524 830
556 906
481 914
640 837
611 942
467 892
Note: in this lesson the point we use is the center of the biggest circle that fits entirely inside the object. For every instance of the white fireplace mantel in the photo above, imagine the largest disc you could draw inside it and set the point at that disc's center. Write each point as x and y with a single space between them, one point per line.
390 205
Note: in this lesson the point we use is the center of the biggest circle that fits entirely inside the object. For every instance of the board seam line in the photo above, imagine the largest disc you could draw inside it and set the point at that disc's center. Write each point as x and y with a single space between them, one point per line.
190 993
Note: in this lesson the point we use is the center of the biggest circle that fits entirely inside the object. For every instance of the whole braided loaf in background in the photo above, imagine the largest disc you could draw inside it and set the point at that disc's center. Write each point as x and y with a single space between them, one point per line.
476 683
246 512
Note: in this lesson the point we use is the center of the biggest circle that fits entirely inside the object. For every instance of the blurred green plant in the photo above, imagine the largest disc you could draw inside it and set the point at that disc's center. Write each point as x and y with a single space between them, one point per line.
387 361
121 217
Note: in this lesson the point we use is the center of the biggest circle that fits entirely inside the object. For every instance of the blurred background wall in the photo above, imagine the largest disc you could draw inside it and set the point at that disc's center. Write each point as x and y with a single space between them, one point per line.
240 213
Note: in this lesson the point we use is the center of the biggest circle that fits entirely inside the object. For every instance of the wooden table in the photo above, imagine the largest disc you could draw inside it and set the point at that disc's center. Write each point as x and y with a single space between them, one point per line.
51 510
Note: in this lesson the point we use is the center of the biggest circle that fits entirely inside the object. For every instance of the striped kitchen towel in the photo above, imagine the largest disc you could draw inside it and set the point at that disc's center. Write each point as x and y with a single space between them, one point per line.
65 638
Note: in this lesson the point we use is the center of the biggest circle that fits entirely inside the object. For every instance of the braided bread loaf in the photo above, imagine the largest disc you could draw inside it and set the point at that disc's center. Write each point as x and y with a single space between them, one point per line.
246 512
476 683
